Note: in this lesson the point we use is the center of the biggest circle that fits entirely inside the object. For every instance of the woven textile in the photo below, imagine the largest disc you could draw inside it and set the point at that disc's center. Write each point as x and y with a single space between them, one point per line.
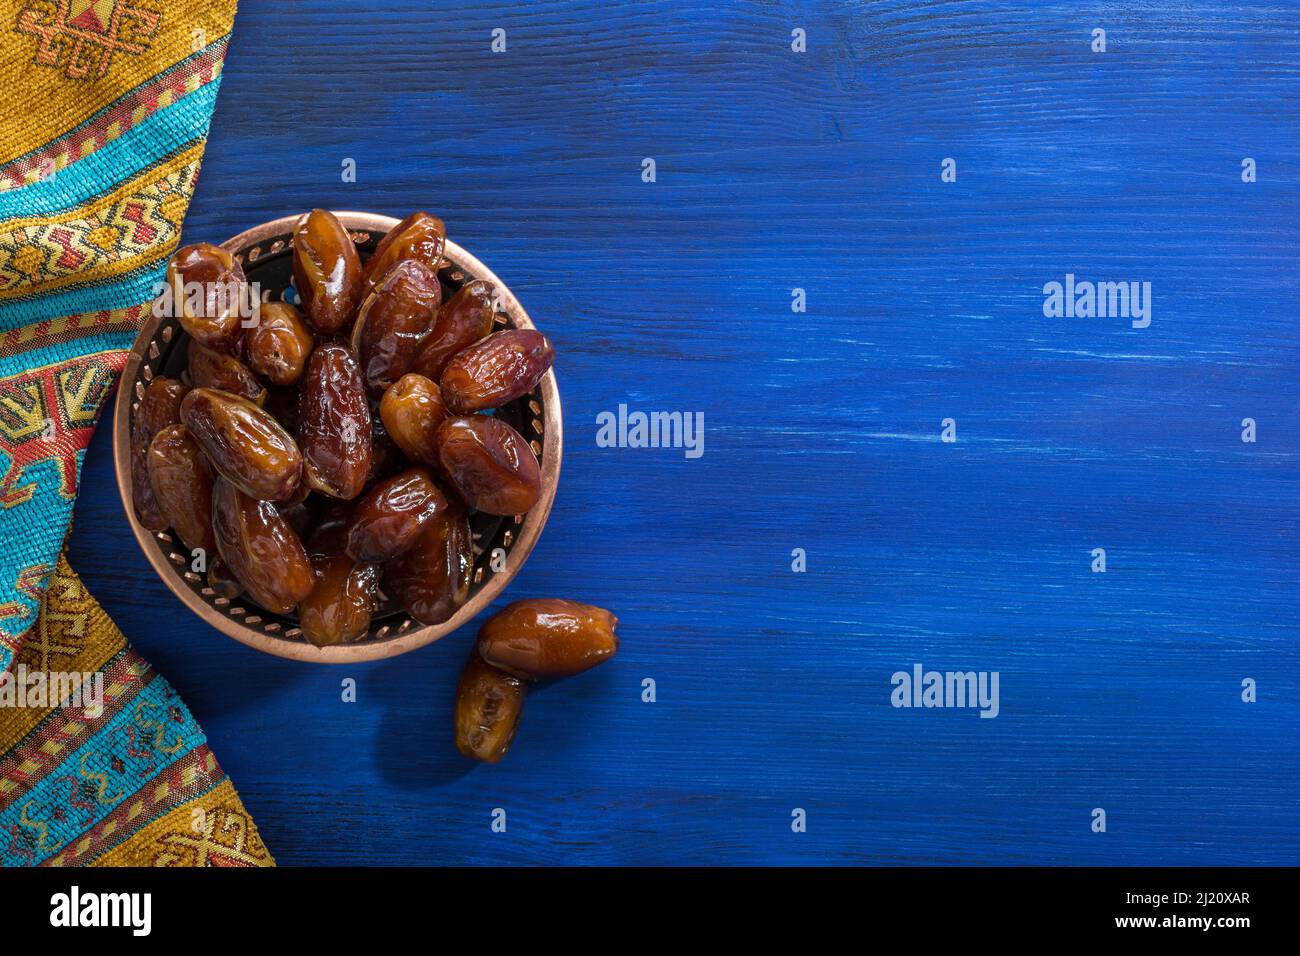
120 774
104 111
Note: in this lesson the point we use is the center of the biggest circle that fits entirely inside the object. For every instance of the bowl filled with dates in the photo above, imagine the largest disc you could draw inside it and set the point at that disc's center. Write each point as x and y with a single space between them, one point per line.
338 435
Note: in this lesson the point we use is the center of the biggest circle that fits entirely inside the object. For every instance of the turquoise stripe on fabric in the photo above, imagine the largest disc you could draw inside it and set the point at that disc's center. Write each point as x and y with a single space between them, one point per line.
169 131
63 352
89 121
32 538
86 786
137 149
137 287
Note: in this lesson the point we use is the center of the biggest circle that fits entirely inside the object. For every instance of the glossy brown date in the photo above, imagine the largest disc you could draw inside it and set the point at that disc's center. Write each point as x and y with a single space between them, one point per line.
496 370
244 443
334 424
419 237
490 464
462 320
431 580
391 322
326 270
488 705
182 486
341 603
547 638
209 368
260 549
209 294
160 407
278 347
411 410
389 518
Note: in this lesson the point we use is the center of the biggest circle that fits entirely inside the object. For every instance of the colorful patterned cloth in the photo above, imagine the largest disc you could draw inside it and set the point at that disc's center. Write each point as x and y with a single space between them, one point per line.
104 111
122 776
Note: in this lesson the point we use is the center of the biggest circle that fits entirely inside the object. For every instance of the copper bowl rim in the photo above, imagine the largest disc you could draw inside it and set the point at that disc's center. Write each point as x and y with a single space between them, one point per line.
371 649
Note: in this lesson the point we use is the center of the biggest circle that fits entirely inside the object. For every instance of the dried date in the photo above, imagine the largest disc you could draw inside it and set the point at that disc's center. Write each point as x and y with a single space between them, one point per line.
278 347
411 410
462 320
220 370
490 464
210 294
496 370
548 638
389 518
334 424
160 407
262 552
182 486
419 237
488 705
431 580
339 608
326 270
392 321
244 444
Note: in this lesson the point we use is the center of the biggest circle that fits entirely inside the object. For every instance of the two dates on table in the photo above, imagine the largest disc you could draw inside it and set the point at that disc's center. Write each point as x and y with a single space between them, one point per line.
526 641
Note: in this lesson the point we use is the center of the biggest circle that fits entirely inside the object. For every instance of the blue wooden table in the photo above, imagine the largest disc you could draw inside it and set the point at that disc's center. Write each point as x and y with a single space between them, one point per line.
823 171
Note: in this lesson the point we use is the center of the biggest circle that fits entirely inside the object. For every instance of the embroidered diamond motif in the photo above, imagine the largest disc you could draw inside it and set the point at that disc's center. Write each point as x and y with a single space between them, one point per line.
81 36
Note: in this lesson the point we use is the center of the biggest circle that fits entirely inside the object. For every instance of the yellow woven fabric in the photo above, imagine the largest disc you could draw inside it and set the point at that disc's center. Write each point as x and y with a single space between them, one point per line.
86 55
211 830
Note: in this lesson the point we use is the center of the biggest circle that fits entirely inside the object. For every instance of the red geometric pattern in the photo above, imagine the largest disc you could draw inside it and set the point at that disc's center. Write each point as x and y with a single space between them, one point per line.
30 584
83 35
48 414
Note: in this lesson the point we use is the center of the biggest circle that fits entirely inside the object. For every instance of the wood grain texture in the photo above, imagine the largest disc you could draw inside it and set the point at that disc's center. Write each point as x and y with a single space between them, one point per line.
821 171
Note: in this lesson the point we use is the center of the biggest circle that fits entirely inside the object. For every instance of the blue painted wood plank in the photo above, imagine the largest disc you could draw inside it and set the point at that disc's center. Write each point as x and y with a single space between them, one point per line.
820 171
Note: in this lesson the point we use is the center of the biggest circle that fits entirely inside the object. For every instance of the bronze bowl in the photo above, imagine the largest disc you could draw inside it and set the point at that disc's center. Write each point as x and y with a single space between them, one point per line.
159 349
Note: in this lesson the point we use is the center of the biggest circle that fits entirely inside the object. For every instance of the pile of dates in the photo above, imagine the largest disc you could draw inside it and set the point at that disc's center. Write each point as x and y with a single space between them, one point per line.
327 456
323 455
